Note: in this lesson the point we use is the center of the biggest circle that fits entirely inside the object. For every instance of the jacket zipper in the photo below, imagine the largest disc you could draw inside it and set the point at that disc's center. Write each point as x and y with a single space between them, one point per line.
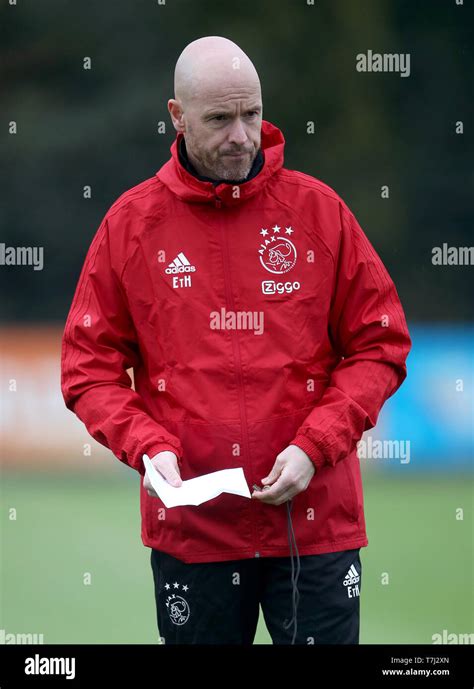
238 362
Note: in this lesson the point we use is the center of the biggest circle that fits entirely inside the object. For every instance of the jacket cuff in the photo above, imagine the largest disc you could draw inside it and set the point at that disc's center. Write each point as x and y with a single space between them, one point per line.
153 450
312 450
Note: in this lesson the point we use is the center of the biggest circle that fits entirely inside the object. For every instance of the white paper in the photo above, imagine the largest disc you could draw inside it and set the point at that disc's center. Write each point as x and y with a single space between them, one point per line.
197 490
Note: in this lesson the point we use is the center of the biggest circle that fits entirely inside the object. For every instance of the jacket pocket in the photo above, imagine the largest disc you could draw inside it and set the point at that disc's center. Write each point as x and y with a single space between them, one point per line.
352 502
326 512
160 525
224 522
267 439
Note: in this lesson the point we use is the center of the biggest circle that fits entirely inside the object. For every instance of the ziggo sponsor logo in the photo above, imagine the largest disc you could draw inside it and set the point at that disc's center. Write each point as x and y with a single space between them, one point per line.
272 287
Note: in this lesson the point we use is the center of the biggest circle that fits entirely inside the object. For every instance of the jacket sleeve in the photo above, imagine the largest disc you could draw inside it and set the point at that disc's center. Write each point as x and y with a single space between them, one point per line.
99 344
369 333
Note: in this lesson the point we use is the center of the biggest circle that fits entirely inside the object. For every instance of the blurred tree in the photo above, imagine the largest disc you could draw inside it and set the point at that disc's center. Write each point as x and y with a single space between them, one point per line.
98 127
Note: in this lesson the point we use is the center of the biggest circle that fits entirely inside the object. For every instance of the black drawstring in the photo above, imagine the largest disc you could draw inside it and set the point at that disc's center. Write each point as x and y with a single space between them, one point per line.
294 577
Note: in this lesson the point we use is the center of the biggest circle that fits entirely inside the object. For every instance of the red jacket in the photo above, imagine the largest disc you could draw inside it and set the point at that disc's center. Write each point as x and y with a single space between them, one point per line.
254 316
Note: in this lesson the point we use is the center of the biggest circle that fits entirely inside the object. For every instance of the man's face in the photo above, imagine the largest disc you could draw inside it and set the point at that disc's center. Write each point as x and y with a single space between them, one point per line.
219 126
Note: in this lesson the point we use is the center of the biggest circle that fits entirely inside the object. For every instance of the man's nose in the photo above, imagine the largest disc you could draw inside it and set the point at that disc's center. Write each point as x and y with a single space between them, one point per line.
238 135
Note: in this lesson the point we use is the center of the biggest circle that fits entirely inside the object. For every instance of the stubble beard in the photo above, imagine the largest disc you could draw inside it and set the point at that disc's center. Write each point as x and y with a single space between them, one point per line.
224 167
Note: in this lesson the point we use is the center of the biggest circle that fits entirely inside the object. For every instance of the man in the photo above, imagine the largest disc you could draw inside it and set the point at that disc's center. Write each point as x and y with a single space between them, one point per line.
264 333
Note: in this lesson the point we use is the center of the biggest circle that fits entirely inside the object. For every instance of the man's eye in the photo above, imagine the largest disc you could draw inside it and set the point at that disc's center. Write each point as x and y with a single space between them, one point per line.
251 113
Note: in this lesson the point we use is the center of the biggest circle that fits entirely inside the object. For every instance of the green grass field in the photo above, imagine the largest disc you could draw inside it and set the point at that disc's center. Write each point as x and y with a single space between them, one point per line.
69 525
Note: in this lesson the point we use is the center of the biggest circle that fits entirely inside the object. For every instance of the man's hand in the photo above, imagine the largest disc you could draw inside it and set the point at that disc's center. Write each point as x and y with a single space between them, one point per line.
166 463
291 474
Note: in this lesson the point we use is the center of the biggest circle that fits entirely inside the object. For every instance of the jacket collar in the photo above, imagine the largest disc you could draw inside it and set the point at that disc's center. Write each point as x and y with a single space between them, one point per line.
190 188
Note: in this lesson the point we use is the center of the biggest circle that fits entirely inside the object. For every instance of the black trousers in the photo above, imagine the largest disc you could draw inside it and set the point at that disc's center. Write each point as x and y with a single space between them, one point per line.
219 602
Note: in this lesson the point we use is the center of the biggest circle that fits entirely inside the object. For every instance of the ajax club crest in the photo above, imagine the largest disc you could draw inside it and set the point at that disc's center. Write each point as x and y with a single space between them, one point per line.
177 606
277 251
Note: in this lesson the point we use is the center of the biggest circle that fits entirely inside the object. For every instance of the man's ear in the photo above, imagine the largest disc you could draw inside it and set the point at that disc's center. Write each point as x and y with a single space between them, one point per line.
177 115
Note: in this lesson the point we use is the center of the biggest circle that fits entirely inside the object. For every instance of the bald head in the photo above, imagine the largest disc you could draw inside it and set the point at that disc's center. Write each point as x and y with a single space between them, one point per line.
218 107
210 65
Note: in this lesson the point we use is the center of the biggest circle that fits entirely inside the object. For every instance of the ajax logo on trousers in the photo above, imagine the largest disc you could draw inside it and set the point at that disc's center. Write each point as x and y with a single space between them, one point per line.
177 606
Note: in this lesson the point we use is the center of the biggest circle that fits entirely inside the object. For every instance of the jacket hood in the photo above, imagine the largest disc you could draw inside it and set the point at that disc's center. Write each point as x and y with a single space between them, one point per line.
188 188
